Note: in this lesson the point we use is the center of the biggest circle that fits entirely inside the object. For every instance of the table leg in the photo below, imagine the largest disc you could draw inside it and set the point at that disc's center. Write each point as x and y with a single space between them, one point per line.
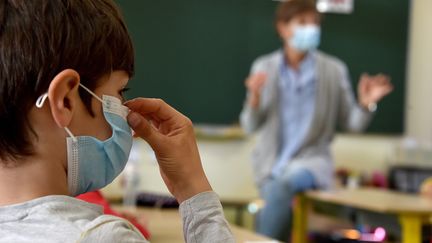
239 215
300 220
411 228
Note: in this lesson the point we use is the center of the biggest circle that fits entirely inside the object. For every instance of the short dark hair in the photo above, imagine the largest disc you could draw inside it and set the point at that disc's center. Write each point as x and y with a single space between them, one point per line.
39 39
290 8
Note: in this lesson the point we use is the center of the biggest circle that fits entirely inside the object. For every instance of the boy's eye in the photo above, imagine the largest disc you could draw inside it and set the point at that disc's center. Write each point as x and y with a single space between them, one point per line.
122 91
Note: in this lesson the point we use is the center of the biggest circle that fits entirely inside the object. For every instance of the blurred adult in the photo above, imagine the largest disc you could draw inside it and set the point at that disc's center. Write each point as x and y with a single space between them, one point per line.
296 96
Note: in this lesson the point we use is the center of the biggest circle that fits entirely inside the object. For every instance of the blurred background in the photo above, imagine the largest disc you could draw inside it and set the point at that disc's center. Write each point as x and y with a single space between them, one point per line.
196 55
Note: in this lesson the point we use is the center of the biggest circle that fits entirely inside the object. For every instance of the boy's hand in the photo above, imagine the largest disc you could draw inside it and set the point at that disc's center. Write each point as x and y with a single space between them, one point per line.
171 136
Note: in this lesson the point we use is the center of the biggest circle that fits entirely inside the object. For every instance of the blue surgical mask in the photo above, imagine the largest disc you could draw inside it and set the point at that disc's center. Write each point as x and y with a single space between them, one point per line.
305 38
93 164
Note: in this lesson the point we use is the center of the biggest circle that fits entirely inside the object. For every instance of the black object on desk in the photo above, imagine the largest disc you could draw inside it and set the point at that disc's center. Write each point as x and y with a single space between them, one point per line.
156 200
408 178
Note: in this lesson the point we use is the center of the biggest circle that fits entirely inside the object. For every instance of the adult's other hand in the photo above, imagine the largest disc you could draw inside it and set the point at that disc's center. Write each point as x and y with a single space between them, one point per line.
254 83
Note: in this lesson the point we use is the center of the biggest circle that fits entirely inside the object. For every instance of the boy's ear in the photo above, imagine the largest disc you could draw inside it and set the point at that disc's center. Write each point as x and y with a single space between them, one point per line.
63 96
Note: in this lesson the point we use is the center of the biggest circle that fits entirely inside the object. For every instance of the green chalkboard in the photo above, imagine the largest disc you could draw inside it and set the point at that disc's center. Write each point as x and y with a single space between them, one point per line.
195 54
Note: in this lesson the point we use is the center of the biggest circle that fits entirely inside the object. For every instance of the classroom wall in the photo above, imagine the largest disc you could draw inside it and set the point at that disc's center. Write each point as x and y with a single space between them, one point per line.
419 88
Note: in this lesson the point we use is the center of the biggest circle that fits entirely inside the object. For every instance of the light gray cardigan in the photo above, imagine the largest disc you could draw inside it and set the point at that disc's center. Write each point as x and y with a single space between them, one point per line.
335 104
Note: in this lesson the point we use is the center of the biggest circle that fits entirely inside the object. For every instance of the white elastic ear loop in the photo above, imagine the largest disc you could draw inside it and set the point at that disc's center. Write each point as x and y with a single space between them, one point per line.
91 92
70 134
94 95
41 100
39 103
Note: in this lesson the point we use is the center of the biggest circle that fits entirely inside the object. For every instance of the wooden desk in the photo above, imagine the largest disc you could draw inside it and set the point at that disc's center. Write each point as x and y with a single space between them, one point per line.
165 225
411 210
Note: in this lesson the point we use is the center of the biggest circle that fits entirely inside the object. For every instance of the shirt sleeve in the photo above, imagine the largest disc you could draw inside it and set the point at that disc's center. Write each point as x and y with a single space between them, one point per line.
252 118
352 117
111 229
203 219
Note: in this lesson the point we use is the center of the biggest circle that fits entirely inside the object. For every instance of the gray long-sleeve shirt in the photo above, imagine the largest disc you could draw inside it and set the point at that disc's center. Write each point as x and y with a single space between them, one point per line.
66 219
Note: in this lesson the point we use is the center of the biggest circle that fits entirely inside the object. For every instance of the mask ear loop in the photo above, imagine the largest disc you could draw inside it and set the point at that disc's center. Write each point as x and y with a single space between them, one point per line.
74 139
41 100
91 92
39 104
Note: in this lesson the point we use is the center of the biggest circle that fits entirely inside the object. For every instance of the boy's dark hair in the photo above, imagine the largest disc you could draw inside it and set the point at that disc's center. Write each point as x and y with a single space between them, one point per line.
39 39
290 8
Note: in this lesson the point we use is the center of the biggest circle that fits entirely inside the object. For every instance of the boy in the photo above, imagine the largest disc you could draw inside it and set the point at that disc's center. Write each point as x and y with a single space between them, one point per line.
63 131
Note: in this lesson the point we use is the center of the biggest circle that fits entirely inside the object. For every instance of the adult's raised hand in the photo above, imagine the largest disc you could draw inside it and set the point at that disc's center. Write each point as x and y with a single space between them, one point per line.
254 84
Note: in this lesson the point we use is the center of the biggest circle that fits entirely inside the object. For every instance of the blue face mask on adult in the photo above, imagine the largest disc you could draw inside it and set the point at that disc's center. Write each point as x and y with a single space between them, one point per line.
92 163
305 38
